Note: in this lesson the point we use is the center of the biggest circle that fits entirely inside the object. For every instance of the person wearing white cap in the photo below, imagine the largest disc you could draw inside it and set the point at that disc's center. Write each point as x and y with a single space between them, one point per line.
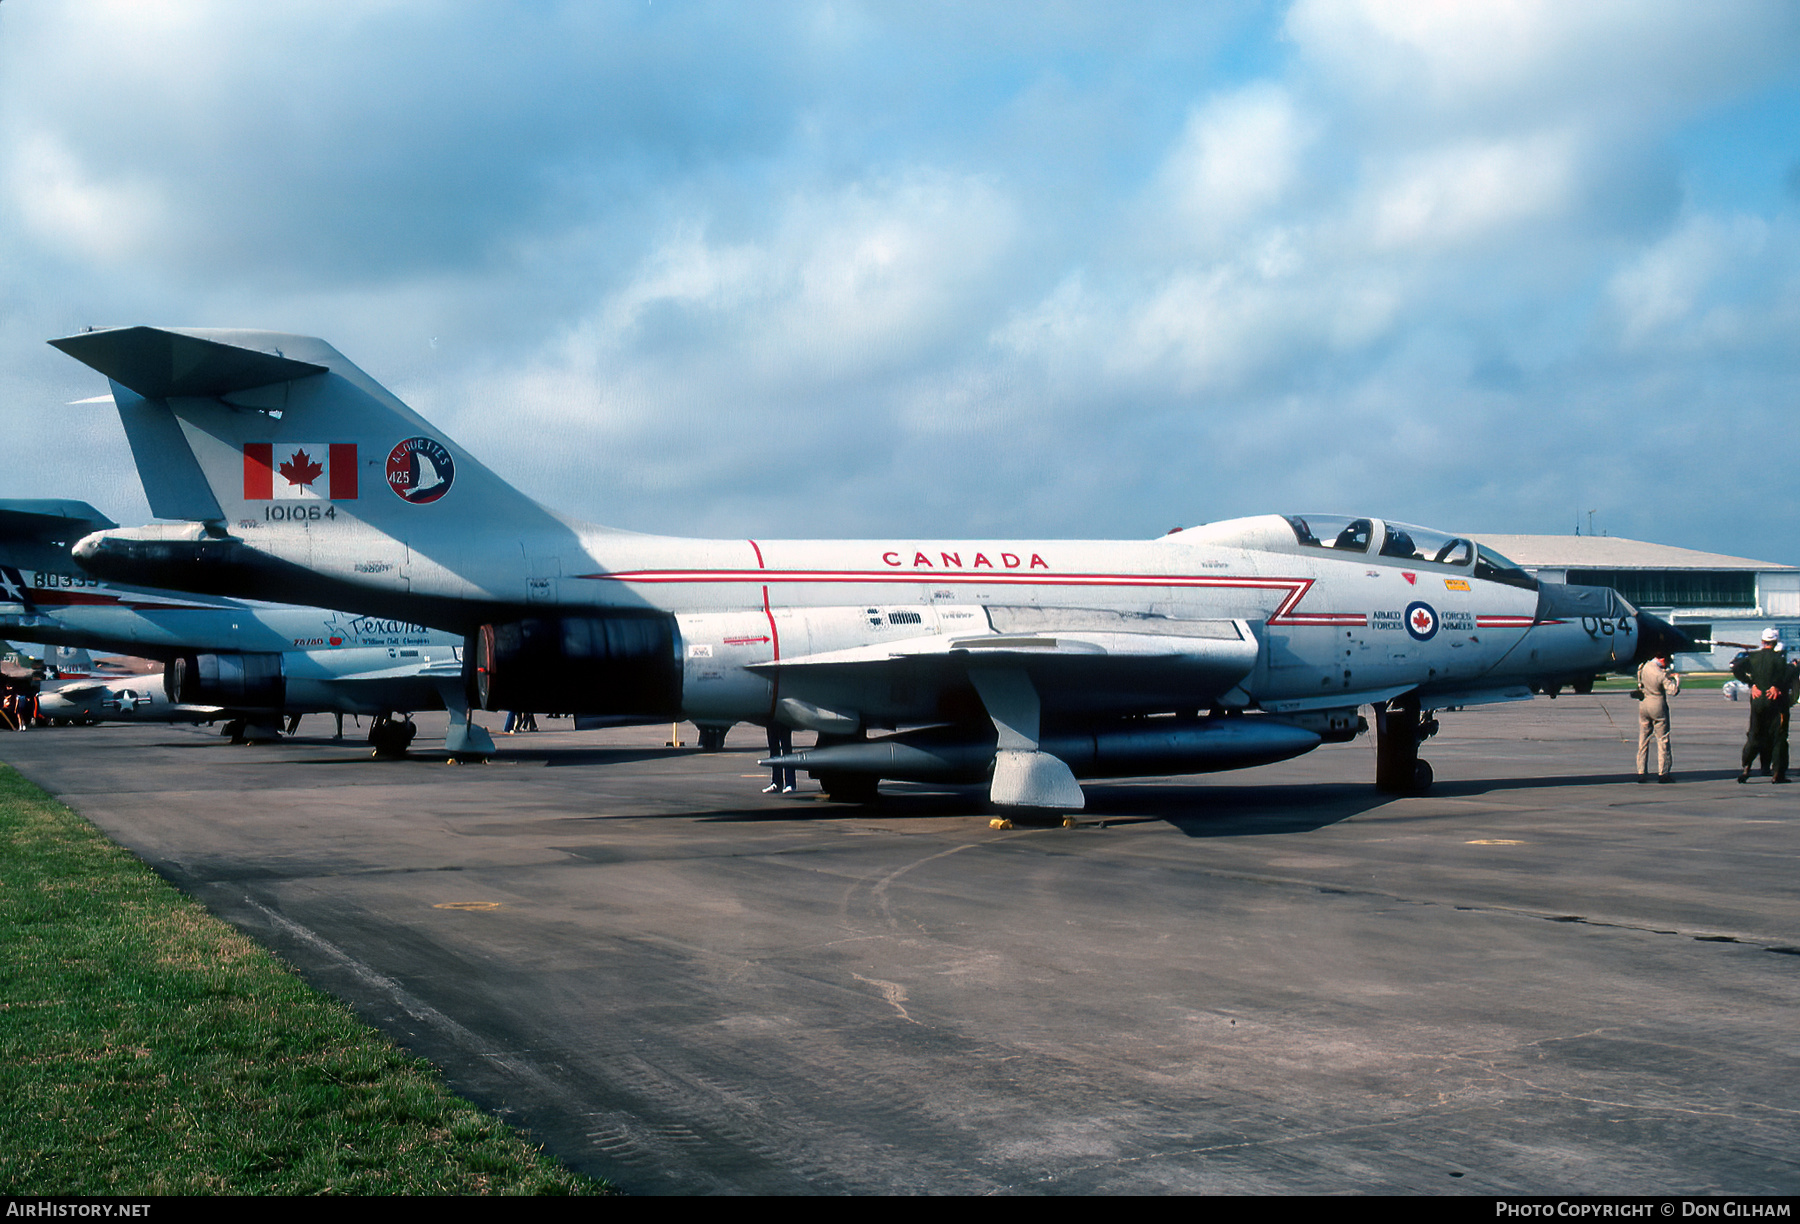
1766 672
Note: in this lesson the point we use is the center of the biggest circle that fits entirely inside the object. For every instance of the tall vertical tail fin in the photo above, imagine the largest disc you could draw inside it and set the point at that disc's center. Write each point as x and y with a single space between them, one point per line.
252 428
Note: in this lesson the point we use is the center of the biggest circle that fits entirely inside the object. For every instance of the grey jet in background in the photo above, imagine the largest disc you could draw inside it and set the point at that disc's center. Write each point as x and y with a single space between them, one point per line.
248 664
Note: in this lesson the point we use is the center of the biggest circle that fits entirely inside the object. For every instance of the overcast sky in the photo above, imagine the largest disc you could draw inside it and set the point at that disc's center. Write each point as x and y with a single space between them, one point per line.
952 269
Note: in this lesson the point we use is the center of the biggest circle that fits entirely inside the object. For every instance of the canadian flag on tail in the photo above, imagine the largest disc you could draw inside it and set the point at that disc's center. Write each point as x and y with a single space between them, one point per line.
296 471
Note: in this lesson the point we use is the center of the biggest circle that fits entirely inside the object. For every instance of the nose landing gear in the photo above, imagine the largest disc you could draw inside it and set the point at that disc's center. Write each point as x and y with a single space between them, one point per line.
1399 730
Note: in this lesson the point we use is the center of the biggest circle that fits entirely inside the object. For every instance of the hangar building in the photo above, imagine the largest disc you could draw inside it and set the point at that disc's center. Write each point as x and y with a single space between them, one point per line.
1708 595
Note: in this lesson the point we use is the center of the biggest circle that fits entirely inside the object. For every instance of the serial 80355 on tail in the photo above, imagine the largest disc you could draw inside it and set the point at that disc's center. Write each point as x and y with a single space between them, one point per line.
1025 664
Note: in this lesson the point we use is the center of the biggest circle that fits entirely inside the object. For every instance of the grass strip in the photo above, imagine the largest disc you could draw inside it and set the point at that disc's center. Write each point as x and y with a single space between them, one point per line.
1690 681
148 1048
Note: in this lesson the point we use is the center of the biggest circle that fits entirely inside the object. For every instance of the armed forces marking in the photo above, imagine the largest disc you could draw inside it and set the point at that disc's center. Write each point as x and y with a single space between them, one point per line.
1421 620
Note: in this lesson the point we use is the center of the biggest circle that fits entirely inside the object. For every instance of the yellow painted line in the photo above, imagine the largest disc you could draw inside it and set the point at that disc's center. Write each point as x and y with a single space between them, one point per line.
1494 841
467 905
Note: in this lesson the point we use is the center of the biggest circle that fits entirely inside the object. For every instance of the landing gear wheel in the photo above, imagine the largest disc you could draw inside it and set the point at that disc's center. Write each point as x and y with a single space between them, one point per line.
712 739
1421 780
1399 730
850 788
234 730
391 737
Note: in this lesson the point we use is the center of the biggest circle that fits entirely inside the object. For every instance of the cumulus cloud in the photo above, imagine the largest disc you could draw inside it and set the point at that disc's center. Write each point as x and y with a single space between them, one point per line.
772 351
1714 285
63 204
1235 160
1519 60
1464 193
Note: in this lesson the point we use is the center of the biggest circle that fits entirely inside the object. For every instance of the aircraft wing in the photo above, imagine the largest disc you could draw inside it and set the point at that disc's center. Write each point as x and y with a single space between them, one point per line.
406 671
37 532
1035 648
1068 669
59 520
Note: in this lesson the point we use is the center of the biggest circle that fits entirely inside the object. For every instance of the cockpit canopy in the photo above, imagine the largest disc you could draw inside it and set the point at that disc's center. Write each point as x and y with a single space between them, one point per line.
1406 543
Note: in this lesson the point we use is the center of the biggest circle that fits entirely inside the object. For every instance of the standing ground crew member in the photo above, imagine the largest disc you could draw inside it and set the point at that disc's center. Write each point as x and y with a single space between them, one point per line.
1791 683
1657 682
1766 672
781 743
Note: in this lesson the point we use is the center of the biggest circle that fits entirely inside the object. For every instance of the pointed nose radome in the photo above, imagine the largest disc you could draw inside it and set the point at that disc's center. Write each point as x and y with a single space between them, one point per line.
1657 639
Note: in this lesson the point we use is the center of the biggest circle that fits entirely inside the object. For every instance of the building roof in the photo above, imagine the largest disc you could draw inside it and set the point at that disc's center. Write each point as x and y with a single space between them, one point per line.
1613 552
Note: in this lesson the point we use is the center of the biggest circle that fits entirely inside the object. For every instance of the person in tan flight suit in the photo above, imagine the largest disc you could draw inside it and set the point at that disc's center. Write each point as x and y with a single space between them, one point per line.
1657 682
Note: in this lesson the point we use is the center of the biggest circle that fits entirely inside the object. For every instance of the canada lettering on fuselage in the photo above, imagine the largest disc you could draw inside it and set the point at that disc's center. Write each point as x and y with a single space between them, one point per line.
895 559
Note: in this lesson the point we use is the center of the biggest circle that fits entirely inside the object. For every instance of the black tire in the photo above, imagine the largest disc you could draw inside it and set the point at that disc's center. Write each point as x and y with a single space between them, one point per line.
1422 778
390 738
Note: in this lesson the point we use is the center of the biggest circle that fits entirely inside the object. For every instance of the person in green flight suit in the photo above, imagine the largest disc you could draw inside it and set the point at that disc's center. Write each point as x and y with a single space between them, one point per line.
1767 673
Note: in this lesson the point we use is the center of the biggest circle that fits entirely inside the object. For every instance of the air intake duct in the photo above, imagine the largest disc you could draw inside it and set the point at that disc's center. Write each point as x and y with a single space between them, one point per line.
235 681
621 663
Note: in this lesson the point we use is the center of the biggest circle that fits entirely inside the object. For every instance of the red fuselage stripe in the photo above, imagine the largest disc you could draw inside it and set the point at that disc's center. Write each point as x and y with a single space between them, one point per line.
774 633
1284 614
979 576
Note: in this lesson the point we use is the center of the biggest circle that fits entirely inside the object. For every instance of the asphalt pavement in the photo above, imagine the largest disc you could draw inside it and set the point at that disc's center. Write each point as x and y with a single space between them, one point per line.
1540 978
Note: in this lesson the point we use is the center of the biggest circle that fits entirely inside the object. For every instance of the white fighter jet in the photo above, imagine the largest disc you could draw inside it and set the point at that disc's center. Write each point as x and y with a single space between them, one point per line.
95 699
1024 664
247 664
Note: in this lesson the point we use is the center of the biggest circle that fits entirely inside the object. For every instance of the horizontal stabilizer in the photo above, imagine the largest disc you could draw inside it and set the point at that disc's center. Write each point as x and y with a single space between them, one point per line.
156 362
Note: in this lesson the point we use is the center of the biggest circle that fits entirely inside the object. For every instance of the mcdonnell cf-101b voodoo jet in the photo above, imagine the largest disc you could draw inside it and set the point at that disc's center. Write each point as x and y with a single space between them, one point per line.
1021 664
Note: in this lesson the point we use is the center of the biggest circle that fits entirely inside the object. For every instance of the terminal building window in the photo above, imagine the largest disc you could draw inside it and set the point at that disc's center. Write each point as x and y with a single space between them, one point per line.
1676 588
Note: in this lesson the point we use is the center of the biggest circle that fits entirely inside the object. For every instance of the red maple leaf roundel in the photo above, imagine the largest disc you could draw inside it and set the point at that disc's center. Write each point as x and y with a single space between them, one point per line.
301 470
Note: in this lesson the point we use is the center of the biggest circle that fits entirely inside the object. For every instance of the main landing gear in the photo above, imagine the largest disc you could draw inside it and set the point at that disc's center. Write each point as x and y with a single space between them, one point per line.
245 731
390 737
1399 730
